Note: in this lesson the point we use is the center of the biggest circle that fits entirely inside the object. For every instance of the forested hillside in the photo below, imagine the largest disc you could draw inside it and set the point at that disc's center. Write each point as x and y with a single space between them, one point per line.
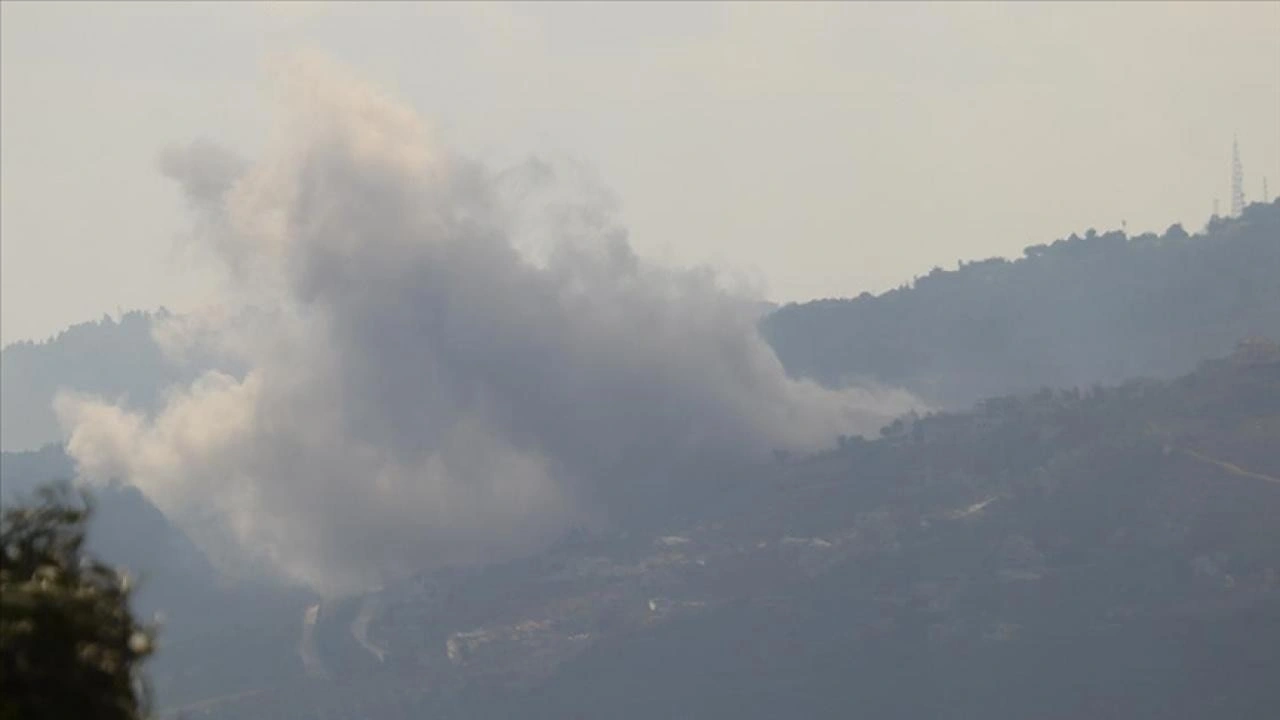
1108 553
1095 309
1105 552
110 357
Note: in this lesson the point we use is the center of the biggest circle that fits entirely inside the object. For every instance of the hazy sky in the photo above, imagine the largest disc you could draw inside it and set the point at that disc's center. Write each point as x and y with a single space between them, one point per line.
818 150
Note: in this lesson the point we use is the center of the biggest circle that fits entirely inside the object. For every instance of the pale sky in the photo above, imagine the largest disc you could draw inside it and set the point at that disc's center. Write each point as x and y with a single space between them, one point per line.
818 150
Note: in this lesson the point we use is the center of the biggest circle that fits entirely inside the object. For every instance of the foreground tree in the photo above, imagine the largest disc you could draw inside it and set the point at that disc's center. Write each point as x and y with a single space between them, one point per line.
69 645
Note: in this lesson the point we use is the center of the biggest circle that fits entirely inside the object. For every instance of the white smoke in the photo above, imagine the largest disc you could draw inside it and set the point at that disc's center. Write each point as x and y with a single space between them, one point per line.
444 375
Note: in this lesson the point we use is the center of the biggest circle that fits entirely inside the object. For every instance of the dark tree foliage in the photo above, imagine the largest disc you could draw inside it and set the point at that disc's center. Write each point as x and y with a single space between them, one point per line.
69 644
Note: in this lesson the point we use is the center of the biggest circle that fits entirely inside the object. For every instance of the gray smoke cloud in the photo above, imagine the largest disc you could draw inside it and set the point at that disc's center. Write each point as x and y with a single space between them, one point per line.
204 170
452 365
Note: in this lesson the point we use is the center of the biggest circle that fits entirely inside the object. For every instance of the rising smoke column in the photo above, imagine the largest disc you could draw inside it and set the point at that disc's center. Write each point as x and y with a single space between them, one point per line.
421 389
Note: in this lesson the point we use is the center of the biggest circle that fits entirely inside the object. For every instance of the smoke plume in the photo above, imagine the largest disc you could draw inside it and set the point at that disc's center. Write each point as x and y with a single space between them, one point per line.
448 365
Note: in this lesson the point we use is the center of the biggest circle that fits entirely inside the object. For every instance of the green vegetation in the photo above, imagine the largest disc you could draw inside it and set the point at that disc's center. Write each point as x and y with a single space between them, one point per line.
69 644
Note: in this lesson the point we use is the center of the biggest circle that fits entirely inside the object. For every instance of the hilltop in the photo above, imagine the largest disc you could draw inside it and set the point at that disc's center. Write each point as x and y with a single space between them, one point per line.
1100 308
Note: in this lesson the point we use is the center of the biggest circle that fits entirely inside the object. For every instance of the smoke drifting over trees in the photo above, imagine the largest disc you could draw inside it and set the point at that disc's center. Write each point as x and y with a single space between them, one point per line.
420 390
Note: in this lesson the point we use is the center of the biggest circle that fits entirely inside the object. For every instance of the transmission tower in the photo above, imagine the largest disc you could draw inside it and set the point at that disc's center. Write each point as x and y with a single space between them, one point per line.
1237 180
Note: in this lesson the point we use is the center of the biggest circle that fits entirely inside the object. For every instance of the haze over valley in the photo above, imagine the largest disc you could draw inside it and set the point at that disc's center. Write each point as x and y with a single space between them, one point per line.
444 435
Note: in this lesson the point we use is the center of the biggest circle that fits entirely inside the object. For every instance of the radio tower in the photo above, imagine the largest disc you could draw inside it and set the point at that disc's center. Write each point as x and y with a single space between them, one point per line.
1237 180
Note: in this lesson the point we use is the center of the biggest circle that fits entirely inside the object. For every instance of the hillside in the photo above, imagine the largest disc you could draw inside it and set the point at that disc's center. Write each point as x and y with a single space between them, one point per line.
1085 310
113 358
1095 309
1107 553
1108 550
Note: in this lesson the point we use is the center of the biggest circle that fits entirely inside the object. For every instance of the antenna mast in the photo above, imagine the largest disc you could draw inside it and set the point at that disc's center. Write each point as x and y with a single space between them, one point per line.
1237 180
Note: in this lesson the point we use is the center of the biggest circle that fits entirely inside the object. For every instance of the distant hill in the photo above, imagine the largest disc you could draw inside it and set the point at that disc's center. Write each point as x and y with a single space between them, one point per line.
113 358
1084 310
1095 309
116 358
1108 553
